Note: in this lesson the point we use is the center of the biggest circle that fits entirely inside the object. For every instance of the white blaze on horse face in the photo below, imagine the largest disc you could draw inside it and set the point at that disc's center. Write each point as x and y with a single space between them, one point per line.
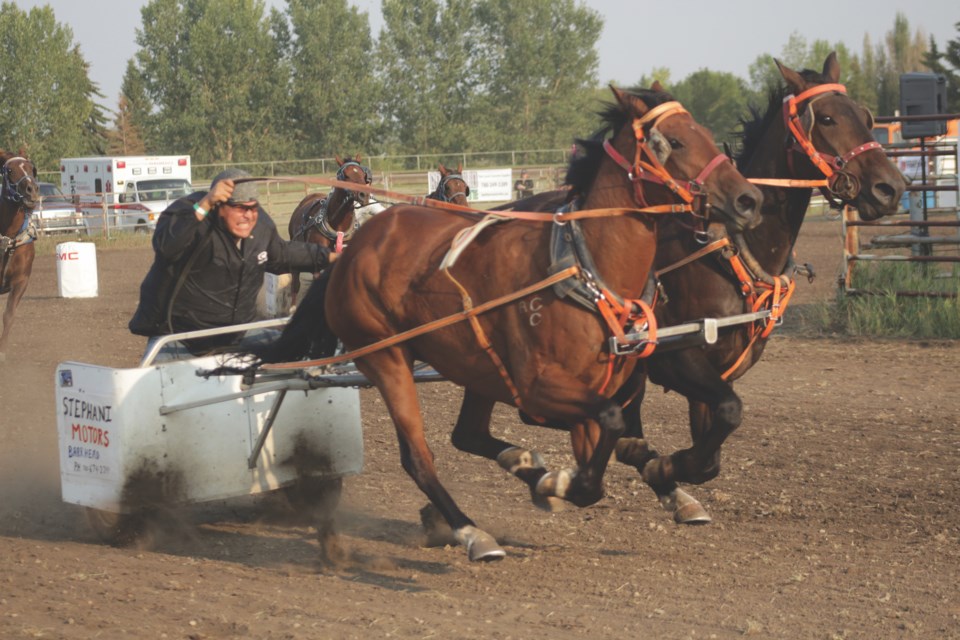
532 310
660 146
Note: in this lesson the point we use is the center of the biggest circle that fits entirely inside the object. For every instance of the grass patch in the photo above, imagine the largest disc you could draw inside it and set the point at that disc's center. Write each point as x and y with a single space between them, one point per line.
884 313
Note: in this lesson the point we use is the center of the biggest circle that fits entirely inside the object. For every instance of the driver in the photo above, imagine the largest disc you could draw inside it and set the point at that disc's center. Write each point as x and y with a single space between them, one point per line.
211 251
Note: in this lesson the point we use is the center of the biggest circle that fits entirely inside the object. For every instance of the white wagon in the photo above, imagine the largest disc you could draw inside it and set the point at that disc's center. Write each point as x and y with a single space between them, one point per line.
134 439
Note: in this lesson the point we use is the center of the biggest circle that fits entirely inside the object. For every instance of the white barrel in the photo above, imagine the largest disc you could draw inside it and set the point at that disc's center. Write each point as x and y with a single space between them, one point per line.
77 270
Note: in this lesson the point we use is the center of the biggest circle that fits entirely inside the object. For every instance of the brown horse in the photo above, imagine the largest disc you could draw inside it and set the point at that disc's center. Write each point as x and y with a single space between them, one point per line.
841 148
540 352
452 187
19 194
330 220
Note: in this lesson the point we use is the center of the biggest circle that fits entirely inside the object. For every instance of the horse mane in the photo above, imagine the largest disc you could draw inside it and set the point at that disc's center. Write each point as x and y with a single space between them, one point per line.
583 168
753 127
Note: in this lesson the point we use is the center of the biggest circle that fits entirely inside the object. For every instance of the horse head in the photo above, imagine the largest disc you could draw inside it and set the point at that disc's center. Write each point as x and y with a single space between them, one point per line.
20 186
350 170
670 149
831 136
452 187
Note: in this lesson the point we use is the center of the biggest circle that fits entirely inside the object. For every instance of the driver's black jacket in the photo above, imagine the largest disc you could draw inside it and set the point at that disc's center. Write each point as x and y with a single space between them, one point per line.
224 279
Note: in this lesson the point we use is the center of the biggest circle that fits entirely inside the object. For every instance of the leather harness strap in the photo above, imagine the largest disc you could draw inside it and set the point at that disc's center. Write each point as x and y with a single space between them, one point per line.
440 323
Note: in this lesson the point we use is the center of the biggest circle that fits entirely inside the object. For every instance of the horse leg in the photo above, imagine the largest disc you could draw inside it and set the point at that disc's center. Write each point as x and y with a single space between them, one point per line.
715 411
472 435
593 440
390 371
634 450
18 286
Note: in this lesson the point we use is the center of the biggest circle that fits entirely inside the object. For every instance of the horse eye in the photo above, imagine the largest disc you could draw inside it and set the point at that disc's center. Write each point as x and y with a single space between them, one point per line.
675 144
825 120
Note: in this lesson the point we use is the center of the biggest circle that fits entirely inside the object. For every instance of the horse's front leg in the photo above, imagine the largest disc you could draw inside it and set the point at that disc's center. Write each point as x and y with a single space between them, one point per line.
715 411
391 372
18 286
634 450
593 440
472 435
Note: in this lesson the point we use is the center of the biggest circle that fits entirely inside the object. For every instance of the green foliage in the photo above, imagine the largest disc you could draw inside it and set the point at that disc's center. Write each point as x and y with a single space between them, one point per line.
886 314
948 63
715 99
334 94
216 77
426 63
536 63
47 102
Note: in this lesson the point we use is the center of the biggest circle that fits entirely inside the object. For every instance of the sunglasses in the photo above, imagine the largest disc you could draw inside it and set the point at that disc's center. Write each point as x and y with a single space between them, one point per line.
248 208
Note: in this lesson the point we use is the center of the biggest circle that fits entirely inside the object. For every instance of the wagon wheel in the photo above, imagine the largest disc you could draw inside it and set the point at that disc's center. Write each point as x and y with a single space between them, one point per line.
117 529
314 494
318 498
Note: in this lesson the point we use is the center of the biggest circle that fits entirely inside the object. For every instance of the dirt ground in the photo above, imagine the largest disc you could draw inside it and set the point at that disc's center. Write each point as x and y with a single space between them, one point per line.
835 513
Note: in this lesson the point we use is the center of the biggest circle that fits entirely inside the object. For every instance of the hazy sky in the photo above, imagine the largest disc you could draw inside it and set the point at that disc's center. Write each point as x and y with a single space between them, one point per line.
683 35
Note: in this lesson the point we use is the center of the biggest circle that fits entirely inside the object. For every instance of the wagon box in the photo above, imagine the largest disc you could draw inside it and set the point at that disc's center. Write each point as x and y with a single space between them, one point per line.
129 438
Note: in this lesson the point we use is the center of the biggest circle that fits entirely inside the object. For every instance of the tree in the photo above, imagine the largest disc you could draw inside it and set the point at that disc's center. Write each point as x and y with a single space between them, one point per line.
334 95
426 60
715 99
937 62
125 138
47 100
900 53
536 64
216 77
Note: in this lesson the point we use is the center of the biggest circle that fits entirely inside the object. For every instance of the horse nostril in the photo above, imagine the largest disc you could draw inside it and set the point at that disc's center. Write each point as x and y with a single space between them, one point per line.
884 193
746 204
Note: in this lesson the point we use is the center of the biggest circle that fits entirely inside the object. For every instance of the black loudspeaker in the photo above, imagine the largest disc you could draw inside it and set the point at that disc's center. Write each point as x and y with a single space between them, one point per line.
923 94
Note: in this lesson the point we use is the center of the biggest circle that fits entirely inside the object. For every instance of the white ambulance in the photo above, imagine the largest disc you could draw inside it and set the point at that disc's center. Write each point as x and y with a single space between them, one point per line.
124 193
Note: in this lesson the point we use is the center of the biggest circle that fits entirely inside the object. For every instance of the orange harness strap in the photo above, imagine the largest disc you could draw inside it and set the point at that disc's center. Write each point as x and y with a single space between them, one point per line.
439 323
775 297
485 343
618 317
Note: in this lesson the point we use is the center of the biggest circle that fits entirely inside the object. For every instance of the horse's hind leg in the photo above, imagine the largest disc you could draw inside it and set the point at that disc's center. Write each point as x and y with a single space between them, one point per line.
472 435
391 373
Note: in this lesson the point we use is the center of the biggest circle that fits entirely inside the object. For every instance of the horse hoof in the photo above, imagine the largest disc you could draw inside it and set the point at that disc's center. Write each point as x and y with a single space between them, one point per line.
686 509
481 546
693 513
515 458
555 483
550 504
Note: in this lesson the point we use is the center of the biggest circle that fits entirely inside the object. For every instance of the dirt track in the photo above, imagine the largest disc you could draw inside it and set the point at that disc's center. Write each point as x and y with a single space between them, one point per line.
835 513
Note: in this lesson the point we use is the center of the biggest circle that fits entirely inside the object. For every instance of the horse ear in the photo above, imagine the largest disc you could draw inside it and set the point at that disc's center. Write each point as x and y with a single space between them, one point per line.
357 159
442 169
656 86
831 68
459 167
794 80
629 102
337 158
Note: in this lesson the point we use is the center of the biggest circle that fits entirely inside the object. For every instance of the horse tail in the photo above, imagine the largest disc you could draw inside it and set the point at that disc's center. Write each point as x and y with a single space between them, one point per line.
307 335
